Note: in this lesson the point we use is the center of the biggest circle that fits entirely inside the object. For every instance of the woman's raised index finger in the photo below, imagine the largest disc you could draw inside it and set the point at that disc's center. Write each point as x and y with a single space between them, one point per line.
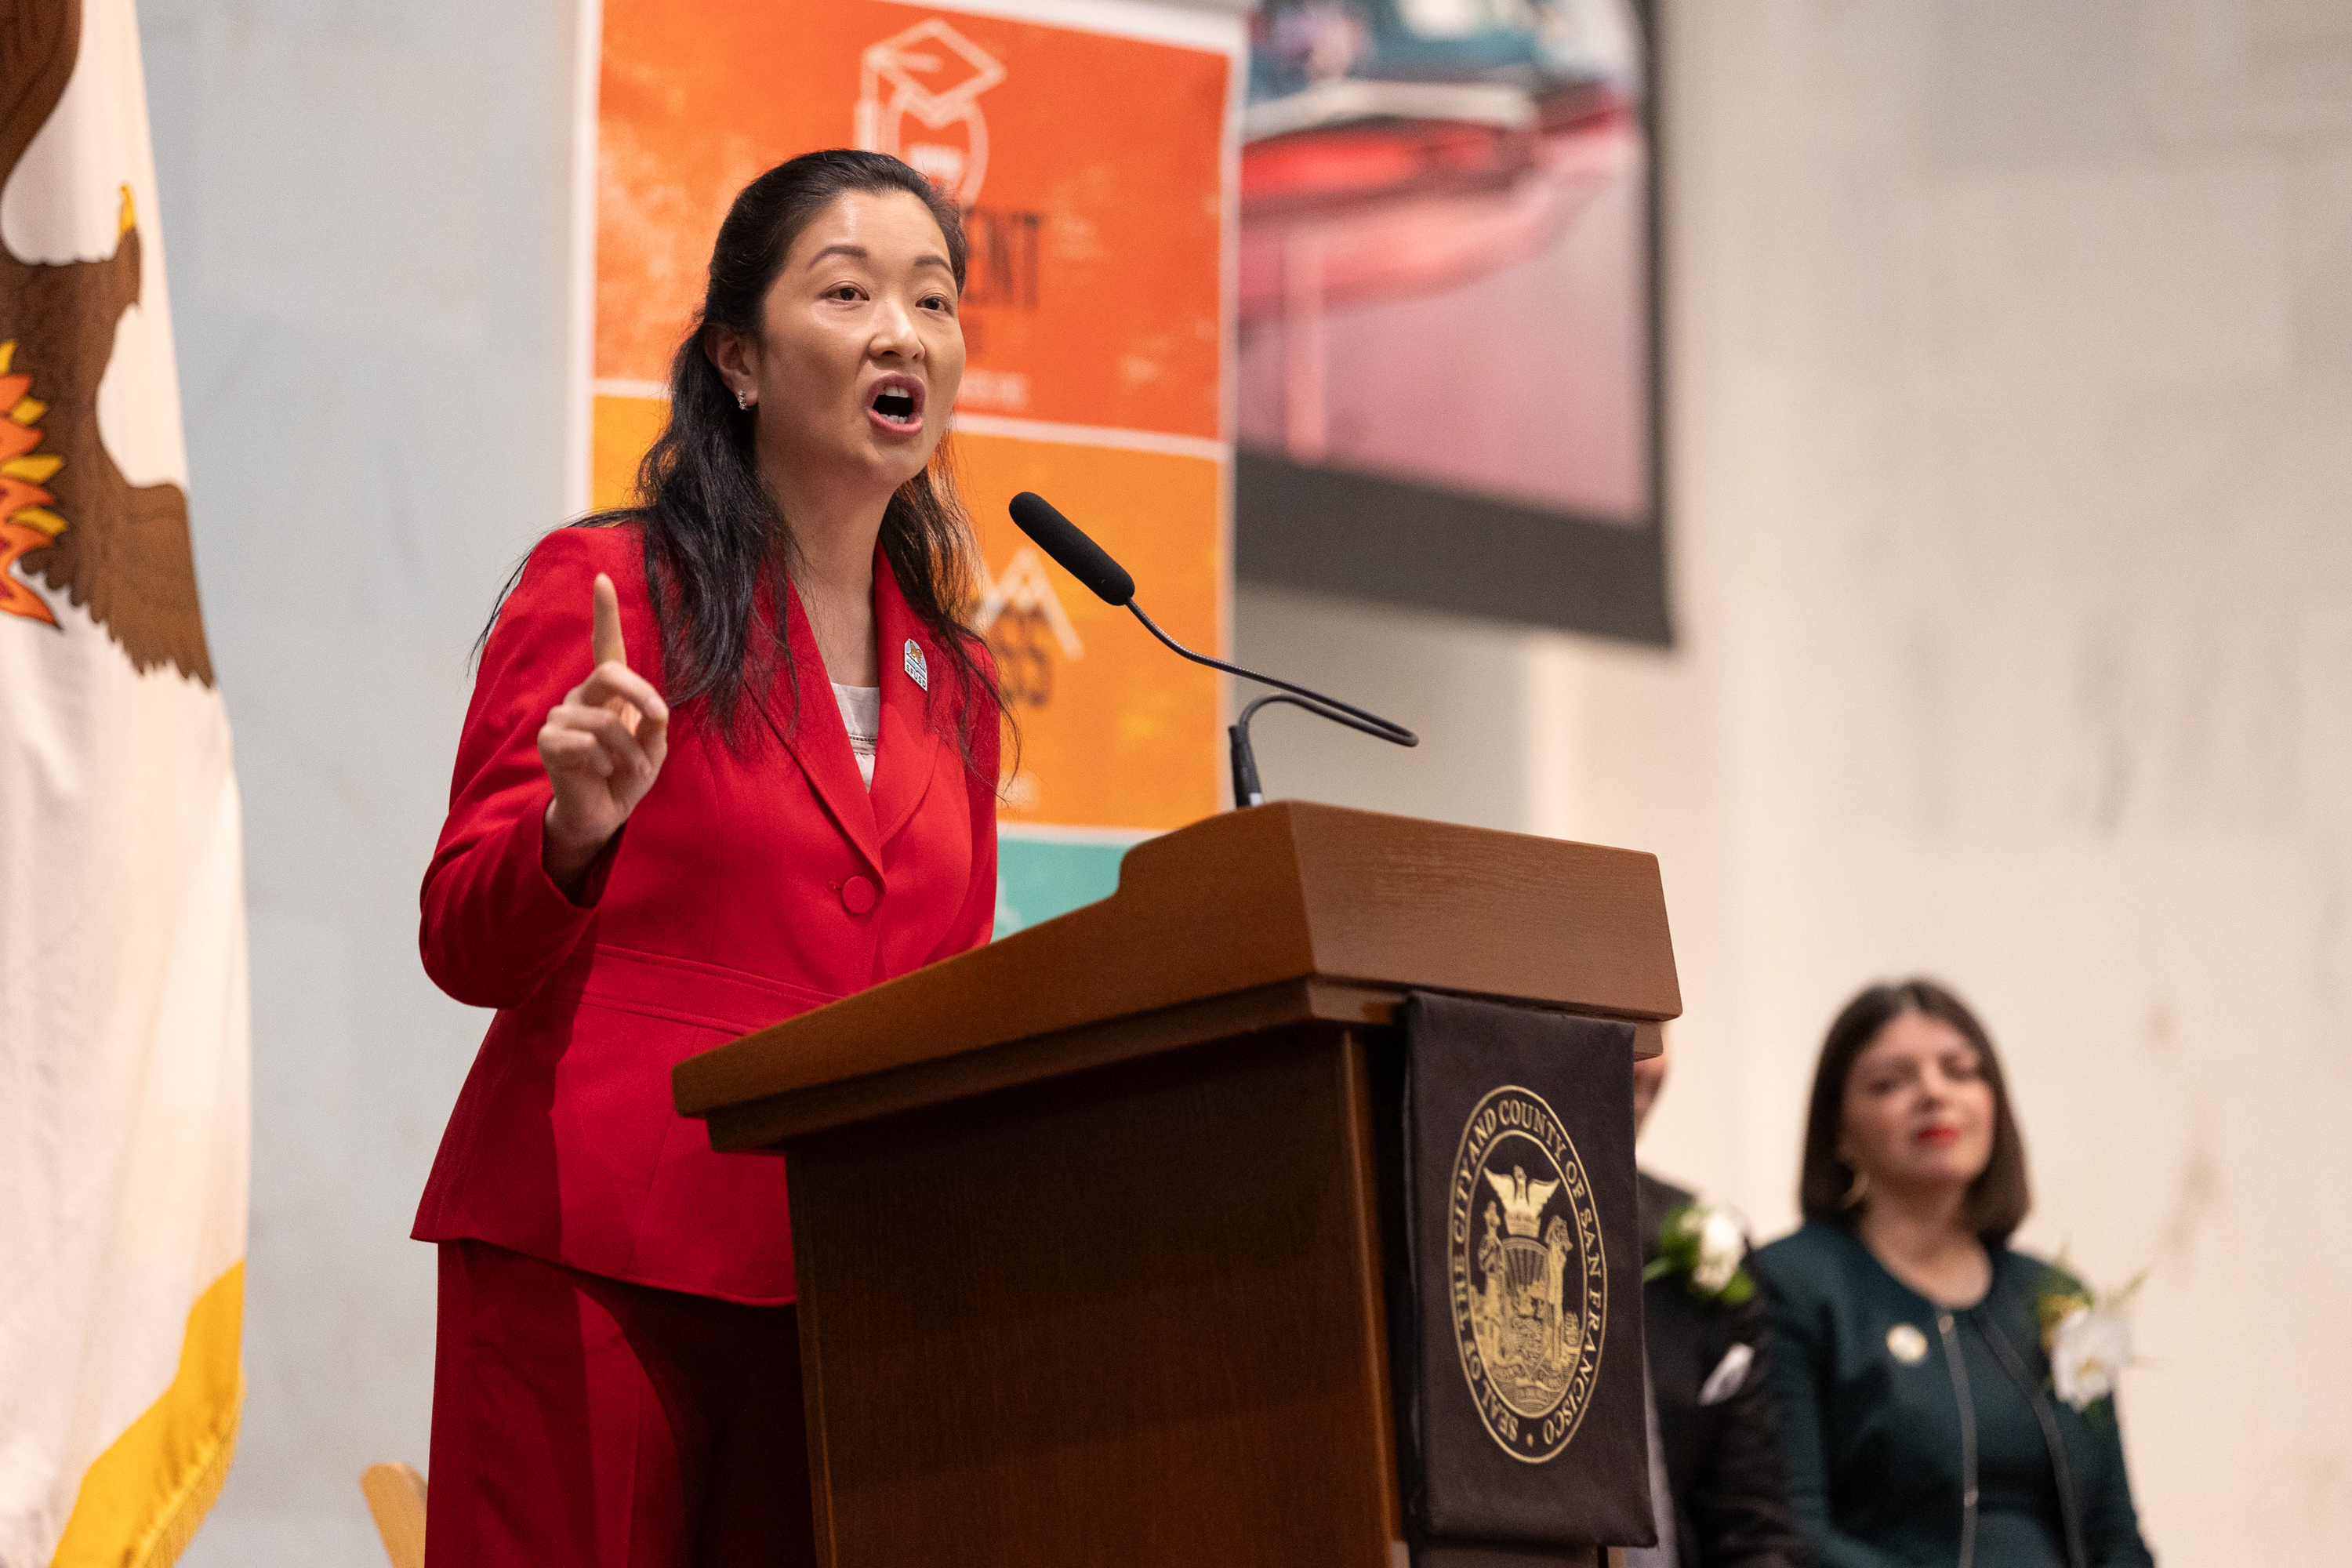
605 640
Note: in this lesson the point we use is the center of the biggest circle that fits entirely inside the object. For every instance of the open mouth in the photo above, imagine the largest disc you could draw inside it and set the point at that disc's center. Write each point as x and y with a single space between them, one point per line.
899 401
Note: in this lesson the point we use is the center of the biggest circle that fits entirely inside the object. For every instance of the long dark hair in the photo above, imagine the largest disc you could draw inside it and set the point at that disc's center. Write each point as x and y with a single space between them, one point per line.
713 537
1999 1197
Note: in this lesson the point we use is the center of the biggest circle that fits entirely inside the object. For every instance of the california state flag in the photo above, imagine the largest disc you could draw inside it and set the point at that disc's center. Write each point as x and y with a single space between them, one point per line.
123 1056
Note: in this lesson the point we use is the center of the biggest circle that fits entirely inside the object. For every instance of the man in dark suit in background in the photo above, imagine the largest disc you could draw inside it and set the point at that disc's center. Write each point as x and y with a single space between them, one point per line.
1713 1434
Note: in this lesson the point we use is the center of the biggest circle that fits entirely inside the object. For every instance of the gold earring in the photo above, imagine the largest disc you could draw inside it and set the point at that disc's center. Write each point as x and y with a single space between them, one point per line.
1856 1190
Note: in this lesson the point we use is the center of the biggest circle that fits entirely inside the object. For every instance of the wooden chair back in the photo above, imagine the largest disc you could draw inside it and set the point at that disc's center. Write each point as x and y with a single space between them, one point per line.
395 1495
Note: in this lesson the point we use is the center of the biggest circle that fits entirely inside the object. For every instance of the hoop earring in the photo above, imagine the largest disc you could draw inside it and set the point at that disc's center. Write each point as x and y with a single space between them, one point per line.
742 400
1856 1190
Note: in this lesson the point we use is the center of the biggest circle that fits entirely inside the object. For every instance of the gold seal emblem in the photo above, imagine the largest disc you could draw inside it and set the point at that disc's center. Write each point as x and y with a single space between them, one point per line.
1528 1283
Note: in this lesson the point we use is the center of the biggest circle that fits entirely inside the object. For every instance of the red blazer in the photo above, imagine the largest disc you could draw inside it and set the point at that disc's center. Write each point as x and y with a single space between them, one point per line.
743 889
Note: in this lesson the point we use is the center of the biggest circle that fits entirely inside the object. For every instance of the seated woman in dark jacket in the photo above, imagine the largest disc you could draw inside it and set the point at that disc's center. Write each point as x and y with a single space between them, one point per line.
1915 1398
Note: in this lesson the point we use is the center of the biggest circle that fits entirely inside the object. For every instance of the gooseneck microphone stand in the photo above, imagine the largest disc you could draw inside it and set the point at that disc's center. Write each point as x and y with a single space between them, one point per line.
1082 558
1246 789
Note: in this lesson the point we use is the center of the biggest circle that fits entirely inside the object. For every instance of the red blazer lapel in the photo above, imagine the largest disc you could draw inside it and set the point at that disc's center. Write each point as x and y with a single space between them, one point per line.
918 688
818 740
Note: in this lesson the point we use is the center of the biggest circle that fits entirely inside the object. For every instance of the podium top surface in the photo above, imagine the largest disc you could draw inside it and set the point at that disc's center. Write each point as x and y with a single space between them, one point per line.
1244 920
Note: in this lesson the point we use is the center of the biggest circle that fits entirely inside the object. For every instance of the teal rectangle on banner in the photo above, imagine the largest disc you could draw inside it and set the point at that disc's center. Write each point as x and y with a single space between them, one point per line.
1037 878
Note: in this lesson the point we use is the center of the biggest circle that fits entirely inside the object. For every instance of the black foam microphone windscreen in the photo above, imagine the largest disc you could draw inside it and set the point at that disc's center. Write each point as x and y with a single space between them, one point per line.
1081 557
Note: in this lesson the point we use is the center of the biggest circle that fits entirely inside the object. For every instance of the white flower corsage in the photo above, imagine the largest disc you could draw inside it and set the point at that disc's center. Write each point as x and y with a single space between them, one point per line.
1704 1244
2087 1337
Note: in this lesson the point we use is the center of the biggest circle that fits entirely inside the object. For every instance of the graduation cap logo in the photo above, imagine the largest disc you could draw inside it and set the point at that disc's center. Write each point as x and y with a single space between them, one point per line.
935 74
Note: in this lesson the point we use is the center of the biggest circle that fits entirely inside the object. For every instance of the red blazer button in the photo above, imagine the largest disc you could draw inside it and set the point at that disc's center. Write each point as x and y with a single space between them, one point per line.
857 895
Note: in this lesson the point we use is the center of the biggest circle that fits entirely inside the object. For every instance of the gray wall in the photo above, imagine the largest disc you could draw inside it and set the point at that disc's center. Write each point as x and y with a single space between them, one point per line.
364 211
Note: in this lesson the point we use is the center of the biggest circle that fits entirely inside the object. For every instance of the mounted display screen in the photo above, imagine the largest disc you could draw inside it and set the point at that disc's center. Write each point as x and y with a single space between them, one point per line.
1446 376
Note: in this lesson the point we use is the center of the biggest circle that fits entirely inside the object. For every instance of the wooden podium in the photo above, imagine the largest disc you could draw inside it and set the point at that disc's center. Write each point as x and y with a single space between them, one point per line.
1090 1222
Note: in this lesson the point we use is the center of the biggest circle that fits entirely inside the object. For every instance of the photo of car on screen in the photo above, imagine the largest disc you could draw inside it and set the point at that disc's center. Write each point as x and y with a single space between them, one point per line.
1445 383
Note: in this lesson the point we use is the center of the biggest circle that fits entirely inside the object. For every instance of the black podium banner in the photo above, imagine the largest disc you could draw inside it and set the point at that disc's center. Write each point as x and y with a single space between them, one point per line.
1520 1369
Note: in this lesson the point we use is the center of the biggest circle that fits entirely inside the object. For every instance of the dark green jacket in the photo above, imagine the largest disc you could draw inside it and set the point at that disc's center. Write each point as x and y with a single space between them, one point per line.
1879 1455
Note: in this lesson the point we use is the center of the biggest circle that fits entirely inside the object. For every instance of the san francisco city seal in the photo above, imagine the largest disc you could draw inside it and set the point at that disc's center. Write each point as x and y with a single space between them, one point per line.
1527 1279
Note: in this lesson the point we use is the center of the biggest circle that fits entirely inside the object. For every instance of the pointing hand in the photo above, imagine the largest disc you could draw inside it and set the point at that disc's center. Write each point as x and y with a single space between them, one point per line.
602 747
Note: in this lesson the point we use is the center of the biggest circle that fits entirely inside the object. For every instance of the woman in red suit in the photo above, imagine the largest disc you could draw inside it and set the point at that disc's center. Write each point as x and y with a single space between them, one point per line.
729 756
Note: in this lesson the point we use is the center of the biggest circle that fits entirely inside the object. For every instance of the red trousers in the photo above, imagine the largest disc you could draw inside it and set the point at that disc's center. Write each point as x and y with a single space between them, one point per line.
578 1419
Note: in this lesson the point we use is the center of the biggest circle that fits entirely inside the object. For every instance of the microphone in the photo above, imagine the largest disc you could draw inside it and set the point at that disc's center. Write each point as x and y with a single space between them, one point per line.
1081 557
1091 564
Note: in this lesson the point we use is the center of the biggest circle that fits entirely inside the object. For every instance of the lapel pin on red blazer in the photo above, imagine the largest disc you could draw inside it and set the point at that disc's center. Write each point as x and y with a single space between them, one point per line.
916 670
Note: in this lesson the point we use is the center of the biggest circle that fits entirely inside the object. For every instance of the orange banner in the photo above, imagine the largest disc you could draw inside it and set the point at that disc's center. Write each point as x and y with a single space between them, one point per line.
1093 168
1116 732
